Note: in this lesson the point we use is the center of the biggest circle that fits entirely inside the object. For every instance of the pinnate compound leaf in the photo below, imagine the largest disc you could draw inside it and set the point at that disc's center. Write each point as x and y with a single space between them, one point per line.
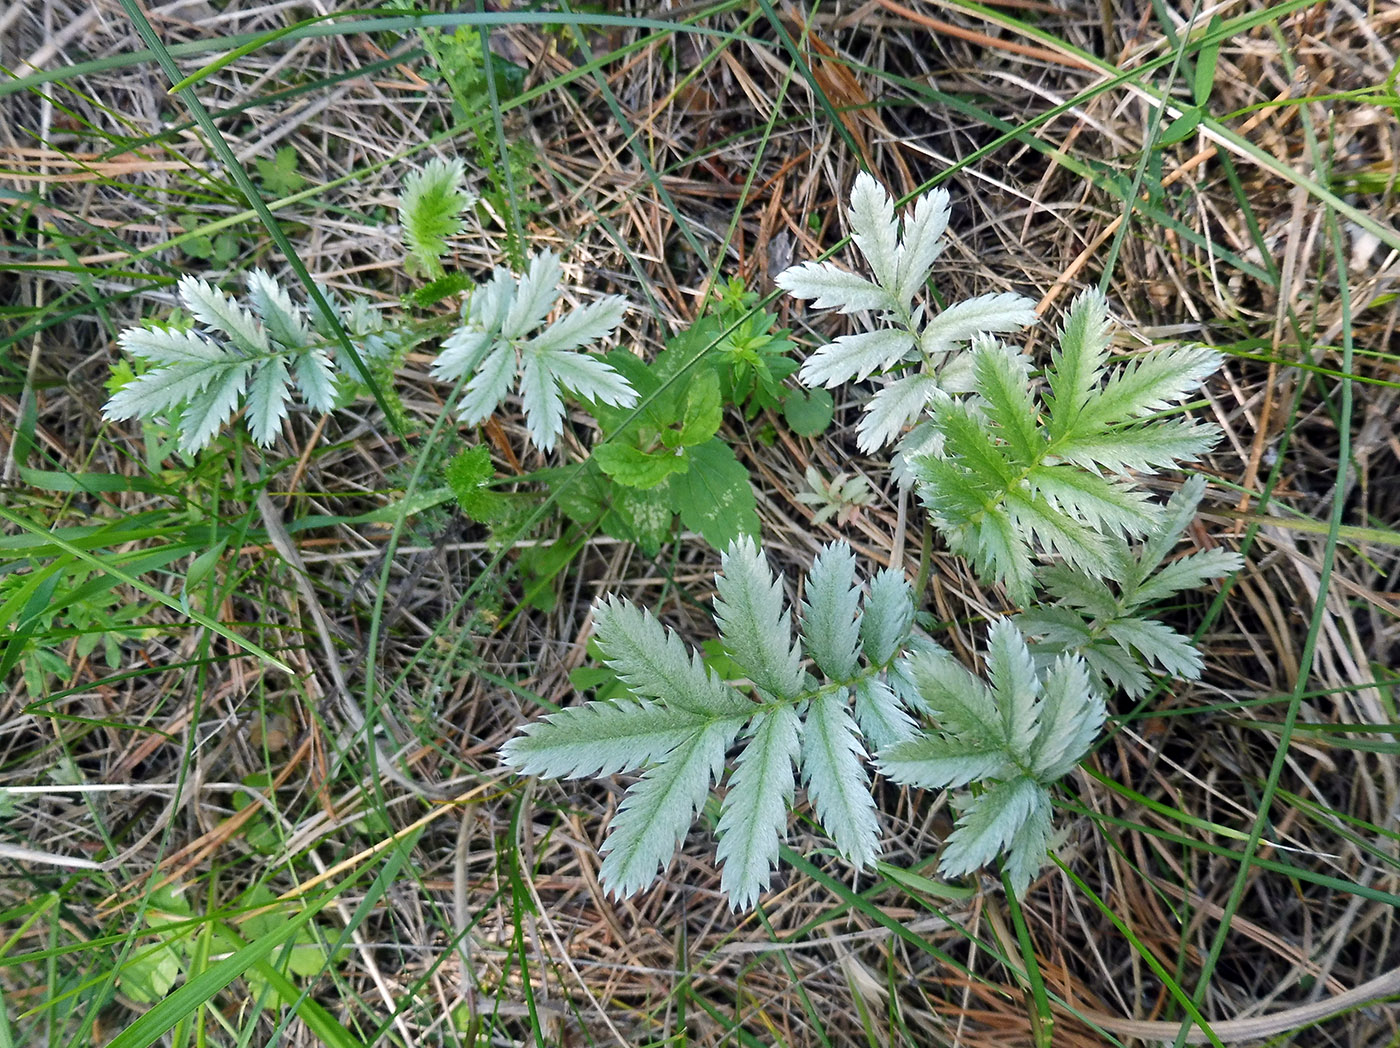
893 408
754 621
753 818
654 816
1077 362
831 611
220 313
834 773
585 325
1069 722
939 761
1011 670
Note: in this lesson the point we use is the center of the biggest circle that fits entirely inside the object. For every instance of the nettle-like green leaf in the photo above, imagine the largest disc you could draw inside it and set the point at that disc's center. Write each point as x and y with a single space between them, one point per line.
679 719
900 260
1016 735
234 355
1107 624
1012 481
501 344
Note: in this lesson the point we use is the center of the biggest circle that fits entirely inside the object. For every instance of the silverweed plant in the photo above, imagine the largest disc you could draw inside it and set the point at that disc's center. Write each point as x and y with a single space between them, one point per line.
232 355
1032 477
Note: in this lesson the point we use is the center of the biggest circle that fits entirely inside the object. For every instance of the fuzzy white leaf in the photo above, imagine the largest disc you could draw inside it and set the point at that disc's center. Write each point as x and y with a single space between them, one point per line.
589 323
892 408
267 400
831 611
656 813
754 622
534 296
855 357
488 305
874 230
157 392
653 662
754 816
603 738
462 353
316 380
922 244
284 321
935 762
963 705
168 346
541 400
833 288
837 784
887 616
1026 855
1071 717
881 716
988 824
217 311
590 377
1107 506
206 412
488 386
985 314
1014 683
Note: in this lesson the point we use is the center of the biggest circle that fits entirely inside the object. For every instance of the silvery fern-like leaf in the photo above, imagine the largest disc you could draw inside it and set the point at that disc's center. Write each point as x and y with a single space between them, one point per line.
1159 644
1026 854
1188 573
1109 507
535 295
588 377
589 323
984 315
874 229
834 773
495 347
921 244
1012 672
886 616
216 310
754 815
430 209
1002 382
654 816
315 375
284 322
893 408
203 376
937 761
541 399
653 662
962 704
989 823
856 357
489 384
833 288
831 611
605 738
267 400
1070 720
207 411
881 715
754 622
